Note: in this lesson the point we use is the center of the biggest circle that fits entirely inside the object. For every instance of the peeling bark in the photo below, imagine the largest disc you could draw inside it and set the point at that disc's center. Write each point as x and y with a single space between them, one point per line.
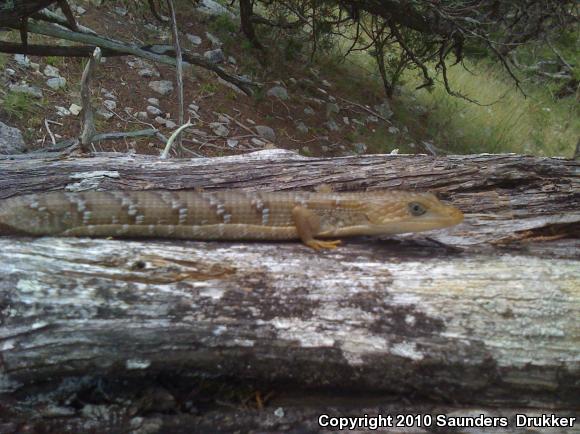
485 313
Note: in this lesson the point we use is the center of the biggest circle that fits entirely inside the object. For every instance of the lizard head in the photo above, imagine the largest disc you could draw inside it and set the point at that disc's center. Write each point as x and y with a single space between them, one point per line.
395 213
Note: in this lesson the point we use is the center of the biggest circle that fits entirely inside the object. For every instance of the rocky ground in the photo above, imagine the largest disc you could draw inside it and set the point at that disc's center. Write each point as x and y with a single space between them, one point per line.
297 107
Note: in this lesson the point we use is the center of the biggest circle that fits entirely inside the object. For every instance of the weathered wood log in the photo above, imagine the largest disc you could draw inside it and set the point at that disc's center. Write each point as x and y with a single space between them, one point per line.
485 313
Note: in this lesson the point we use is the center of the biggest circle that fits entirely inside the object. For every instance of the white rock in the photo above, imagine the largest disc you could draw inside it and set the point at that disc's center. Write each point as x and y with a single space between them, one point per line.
212 7
148 73
193 107
232 60
121 11
104 113
107 94
346 120
62 111
11 140
142 116
223 119
170 124
22 60
266 132
393 130
301 127
153 101
250 121
326 83
75 109
110 104
215 56
27 89
160 120
232 143
56 83
278 92
219 129
194 39
81 10
258 142
9 72
51 71
163 87
154 111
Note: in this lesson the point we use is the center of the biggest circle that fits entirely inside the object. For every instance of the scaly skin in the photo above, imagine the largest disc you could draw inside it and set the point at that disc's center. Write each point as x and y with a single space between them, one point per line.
225 215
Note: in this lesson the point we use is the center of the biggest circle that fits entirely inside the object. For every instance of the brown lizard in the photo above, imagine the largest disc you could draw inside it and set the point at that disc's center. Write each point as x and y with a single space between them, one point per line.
225 215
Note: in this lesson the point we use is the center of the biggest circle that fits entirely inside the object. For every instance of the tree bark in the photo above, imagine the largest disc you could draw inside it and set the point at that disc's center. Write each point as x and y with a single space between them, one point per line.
482 314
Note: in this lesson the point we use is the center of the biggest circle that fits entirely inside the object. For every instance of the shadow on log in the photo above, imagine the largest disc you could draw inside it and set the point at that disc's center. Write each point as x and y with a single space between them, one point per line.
484 314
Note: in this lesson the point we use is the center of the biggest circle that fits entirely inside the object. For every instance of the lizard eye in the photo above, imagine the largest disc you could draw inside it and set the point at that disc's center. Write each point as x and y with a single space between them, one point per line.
417 209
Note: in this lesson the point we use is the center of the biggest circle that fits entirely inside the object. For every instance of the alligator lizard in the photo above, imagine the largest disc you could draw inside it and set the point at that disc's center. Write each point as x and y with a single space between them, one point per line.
225 215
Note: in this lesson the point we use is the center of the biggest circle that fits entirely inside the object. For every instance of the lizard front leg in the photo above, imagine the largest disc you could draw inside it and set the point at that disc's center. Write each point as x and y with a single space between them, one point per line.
307 225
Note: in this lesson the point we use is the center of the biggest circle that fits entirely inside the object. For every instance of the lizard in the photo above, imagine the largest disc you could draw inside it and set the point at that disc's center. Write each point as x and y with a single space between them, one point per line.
316 218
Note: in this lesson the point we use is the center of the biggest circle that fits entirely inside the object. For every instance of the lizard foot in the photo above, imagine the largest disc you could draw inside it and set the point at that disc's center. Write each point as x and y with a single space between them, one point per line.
319 245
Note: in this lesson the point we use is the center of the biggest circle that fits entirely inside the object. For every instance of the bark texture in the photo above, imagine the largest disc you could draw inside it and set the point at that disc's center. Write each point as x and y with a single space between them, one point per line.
485 313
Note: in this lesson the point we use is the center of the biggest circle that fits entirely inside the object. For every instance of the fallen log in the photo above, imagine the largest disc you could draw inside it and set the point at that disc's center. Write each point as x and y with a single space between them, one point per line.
484 314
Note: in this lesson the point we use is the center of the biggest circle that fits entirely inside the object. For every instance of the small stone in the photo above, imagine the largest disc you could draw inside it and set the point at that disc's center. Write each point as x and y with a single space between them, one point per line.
372 118
308 111
257 142
193 107
384 110
110 104
302 128
215 56
35 67
142 116
9 72
170 124
250 121
332 109
120 11
51 71
232 143
278 92
75 109
219 129
62 111
395 151
360 148
147 73
393 130
163 87
322 91
56 83
331 125
346 120
80 10
232 60
11 140
194 39
160 120
223 119
22 60
215 41
154 111
107 94
326 83
153 101
129 110
105 114
266 132
27 89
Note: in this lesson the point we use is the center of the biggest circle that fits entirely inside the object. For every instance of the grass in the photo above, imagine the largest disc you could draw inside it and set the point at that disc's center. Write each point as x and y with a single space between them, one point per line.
509 121
16 104
506 121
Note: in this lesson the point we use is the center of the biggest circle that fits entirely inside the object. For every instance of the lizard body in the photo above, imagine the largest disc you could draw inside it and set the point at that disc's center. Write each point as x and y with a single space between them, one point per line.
225 215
